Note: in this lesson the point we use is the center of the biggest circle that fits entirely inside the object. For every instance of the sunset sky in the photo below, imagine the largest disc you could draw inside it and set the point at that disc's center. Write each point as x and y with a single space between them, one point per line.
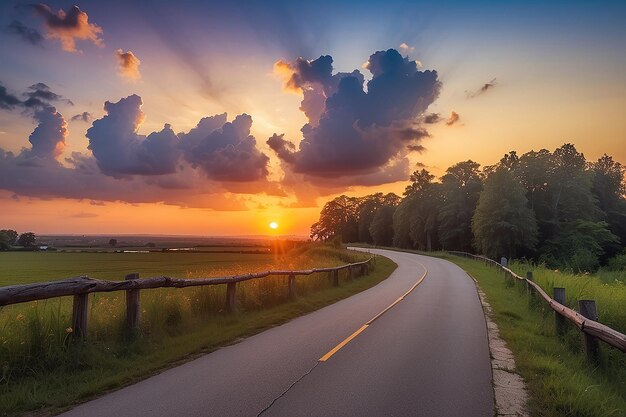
187 117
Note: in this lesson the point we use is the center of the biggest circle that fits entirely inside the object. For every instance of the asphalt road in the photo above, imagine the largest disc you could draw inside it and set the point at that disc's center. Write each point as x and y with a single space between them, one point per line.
425 356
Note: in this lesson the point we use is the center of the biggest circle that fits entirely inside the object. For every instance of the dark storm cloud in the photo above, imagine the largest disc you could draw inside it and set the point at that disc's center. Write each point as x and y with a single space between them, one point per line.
82 117
358 132
25 33
485 87
68 26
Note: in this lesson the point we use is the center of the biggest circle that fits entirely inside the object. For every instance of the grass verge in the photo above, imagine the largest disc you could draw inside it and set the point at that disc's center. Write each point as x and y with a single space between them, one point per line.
560 380
82 371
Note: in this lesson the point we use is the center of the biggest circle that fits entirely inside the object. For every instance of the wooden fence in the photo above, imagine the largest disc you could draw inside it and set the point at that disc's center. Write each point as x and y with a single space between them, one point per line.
81 287
586 320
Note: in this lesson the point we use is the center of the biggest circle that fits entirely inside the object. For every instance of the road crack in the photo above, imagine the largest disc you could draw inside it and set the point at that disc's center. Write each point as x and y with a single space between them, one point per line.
287 390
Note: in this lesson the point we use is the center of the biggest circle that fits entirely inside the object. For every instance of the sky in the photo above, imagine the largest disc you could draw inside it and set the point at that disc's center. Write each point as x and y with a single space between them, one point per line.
217 118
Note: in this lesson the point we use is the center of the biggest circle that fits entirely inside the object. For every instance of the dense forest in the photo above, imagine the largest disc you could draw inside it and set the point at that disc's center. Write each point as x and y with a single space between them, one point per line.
551 207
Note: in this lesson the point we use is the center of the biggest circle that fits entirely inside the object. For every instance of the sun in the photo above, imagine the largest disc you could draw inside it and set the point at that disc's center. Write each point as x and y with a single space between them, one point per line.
273 225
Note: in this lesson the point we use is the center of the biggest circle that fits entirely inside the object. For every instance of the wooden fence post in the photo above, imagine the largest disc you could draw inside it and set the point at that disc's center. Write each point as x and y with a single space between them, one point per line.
349 278
231 299
336 278
588 310
79 315
529 288
559 297
292 286
133 312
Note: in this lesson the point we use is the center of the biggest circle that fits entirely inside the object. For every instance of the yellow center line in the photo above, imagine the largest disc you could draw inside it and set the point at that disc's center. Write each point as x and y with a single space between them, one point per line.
342 344
376 317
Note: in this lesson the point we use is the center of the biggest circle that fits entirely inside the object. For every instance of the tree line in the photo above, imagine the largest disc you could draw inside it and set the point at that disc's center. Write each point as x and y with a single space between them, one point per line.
551 207
10 238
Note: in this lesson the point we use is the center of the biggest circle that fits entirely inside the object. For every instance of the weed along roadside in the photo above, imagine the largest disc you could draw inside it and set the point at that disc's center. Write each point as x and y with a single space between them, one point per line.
566 372
63 350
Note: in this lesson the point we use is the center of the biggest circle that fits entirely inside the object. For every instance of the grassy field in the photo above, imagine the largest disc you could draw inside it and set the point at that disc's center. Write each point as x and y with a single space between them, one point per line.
42 369
561 381
27 267
609 294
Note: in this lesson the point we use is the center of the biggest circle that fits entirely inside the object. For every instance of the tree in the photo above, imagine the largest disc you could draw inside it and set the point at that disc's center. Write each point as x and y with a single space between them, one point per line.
423 222
461 186
339 217
381 228
5 243
113 242
27 239
401 222
608 187
578 245
420 181
11 235
503 223
368 206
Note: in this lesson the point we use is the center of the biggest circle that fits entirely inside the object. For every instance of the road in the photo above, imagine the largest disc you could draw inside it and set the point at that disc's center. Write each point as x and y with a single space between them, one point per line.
426 356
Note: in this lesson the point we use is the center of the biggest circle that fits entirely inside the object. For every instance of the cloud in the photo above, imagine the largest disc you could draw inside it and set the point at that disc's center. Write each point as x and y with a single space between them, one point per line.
454 117
357 132
120 151
83 215
80 178
48 138
223 151
485 87
431 118
39 95
406 49
7 100
84 117
25 33
128 65
68 27
226 153
314 80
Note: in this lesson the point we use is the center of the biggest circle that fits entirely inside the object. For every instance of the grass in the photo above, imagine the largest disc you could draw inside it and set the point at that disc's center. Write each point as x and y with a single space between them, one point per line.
27 267
41 369
560 380
609 294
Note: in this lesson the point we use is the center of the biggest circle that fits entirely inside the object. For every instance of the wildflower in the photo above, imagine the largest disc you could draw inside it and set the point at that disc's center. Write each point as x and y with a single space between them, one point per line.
69 330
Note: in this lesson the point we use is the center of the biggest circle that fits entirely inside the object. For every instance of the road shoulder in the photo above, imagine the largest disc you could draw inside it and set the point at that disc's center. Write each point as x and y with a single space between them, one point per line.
509 388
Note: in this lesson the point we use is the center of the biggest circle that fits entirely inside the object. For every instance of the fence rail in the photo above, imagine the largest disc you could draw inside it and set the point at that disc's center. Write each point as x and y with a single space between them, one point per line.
592 328
80 287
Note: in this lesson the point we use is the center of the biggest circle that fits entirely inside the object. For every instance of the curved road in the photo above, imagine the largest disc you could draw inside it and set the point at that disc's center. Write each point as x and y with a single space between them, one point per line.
426 356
